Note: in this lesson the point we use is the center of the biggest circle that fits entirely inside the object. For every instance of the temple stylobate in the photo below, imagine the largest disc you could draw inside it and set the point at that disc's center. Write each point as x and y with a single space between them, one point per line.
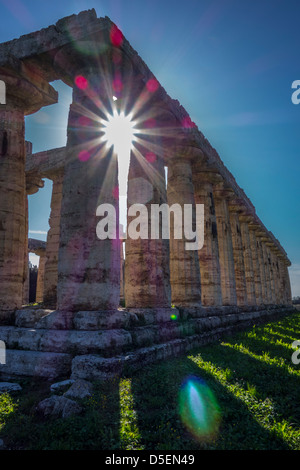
107 303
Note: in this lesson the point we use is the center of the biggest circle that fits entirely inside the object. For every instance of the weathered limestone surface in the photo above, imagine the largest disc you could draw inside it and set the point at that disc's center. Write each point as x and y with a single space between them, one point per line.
147 272
211 293
238 256
51 256
248 260
36 363
88 268
258 282
228 284
184 264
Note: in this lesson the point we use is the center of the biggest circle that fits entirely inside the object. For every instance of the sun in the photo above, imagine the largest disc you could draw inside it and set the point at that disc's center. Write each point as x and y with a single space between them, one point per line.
119 132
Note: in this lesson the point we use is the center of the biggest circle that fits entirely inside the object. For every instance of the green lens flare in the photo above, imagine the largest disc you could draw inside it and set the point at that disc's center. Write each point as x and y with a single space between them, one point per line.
199 410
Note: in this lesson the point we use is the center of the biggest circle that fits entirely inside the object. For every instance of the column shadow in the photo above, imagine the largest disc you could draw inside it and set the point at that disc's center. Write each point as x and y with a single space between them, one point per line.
156 396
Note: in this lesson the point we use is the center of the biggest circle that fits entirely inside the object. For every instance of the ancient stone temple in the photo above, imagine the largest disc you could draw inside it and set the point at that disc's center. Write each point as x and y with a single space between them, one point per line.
173 298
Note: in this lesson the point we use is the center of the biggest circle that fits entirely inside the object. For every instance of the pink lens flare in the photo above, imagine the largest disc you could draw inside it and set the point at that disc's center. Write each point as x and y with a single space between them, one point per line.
115 192
150 123
116 36
117 85
187 123
84 121
81 82
150 157
84 155
152 85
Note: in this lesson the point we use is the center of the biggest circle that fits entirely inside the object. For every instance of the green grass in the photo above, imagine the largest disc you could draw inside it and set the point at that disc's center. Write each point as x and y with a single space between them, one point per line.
252 389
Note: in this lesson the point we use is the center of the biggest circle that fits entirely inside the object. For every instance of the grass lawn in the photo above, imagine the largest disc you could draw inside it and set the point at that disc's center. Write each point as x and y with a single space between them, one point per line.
241 393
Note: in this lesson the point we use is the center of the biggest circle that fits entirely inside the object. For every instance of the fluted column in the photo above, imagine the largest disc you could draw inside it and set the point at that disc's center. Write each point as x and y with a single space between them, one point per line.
269 294
248 260
26 259
238 255
257 272
147 275
228 284
287 294
184 264
52 248
40 277
275 272
272 281
263 274
211 294
88 265
25 94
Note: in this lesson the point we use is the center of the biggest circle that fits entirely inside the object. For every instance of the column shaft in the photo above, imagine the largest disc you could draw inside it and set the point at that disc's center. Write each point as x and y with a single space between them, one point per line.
225 251
52 247
258 284
184 264
211 294
88 267
248 260
238 256
12 210
147 274
40 278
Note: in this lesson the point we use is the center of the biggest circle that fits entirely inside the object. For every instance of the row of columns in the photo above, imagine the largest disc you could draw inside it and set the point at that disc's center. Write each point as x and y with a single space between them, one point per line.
238 265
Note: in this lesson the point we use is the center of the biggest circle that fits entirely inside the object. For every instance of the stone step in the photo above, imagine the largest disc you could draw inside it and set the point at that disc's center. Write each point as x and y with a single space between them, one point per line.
65 341
114 341
36 364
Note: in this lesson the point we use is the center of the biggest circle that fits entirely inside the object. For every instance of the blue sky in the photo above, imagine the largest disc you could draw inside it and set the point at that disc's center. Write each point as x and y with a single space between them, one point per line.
230 63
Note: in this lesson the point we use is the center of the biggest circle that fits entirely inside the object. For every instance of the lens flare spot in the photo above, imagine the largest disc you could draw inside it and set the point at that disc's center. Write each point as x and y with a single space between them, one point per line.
84 121
115 192
84 155
173 316
187 123
81 82
152 85
150 123
150 157
199 410
117 85
116 36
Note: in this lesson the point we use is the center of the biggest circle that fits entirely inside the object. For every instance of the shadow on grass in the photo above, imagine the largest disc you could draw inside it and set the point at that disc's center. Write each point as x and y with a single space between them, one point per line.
95 429
156 397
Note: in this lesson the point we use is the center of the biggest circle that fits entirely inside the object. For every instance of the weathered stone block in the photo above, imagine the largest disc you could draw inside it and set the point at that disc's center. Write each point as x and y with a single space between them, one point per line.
27 318
36 363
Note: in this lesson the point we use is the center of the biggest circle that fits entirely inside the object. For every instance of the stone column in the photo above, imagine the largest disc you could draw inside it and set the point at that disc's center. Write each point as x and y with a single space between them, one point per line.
26 93
272 281
257 275
184 264
40 277
238 253
263 272
286 283
33 184
211 294
248 259
52 248
269 296
147 272
275 270
26 258
228 284
88 266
